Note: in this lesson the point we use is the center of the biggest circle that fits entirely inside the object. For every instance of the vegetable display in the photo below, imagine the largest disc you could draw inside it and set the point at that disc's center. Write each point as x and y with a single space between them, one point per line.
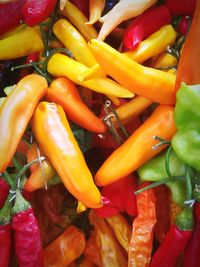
100 133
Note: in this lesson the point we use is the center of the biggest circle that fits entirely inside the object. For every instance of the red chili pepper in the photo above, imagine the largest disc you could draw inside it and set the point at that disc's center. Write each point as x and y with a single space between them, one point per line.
28 245
144 25
192 251
175 241
10 14
181 7
4 190
183 25
37 11
82 5
119 197
32 57
5 234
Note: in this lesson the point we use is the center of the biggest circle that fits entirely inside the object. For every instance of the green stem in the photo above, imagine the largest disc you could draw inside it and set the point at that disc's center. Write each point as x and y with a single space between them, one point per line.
188 183
17 164
39 71
167 168
8 178
20 203
5 212
31 64
45 41
155 184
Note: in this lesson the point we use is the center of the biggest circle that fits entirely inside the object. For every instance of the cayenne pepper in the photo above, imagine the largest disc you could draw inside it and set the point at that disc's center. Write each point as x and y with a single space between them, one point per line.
4 190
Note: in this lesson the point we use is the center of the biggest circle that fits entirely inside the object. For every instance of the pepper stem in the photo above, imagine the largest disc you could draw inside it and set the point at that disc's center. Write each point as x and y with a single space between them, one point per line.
5 212
20 203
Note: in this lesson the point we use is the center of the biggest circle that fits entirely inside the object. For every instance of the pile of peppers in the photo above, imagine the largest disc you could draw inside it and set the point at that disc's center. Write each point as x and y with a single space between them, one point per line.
100 133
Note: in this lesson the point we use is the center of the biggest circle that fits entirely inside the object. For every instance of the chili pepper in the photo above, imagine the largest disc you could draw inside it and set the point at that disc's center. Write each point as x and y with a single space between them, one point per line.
121 229
53 133
188 68
154 44
121 68
162 212
142 231
28 245
183 25
186 140
61 65
91 251
175 209
73 40
37 11
175 241
181 7
16 113
4 191
120 196
110 250
64 92
96 8
124 10
5 234
11 14
192 250
140 143
83 6
34 57
144 25
78 20
165 60
22 43
155 170
65 248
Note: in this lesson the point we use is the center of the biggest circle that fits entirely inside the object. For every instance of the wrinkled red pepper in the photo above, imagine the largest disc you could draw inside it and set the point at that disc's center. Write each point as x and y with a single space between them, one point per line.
82 5
28 245
4 190
37 11
144 25
10 14
181 7
192 251
119 197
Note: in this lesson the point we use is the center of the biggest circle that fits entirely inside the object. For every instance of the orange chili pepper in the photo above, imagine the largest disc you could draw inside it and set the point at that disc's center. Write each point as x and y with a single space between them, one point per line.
52 132
65 248
62 91
16 112
142 233
137 149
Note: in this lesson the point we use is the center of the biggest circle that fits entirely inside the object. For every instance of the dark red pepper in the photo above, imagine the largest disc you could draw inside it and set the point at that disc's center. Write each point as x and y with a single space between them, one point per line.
175 241
144 25
183 25
34 57
181 7
37 11
5 234
10 14
28 245
4 190
192 251
119 197
82 5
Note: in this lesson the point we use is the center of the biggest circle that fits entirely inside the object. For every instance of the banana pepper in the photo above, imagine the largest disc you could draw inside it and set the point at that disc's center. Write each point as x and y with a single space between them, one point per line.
52 132
154 84
16 113
24 42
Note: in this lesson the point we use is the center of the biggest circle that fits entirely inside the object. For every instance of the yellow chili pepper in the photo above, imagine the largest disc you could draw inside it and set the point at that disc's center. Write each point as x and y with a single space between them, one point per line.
16 113
52 132
77 18
109 248
148 82
154 44
22 43
61 65
13 31
96 8
92 73
74 41
121 229
164 60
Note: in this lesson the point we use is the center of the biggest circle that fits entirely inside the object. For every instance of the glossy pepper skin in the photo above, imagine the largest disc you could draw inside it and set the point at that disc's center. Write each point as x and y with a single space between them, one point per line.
144 25
181 7
37 11
4 190
66 248
96 8
52 132
16 112
128 73
10 14
142 231
64 92
122 162
188 68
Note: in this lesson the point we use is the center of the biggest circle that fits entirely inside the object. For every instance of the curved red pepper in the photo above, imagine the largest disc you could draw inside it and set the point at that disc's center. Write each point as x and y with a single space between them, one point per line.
37 11
5 241
144 25
10 14
181 7
4 190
